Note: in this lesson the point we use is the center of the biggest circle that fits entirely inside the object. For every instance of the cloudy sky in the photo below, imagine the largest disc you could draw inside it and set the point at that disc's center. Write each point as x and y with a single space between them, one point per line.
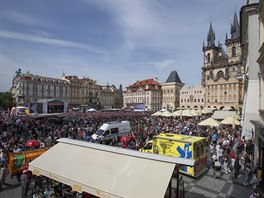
110 41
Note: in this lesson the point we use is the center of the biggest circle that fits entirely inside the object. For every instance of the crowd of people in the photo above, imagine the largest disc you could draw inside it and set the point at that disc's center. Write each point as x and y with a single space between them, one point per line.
225 143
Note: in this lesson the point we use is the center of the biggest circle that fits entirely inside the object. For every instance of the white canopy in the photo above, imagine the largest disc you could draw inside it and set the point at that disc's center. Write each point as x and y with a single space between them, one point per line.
177 113
166 114
231 120
224 114
106 171
185 113
91 110
209 122
158 113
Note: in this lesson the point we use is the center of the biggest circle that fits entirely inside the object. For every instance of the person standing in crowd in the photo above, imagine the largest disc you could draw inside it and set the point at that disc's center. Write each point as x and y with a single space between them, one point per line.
248 170
259 175
220 154
250 148
3 174
237 167
214 138
255 194
24 184
226 165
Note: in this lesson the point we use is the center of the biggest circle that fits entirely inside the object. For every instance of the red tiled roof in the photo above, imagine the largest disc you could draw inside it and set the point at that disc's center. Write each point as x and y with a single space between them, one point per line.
150 81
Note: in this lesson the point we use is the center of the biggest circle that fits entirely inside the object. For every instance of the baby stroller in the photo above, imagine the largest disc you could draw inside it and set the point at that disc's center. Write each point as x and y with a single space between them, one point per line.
217 169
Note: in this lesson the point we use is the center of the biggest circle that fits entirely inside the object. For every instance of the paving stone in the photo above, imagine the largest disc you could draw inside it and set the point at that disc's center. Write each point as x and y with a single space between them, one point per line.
211 183
222 195
204 193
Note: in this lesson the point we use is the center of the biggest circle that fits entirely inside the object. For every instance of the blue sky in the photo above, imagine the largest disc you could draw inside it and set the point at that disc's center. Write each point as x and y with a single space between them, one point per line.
110 41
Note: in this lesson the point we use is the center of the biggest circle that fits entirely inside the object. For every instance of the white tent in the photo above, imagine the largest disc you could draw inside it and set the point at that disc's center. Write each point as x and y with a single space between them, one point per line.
177 113
91 110
106 171
206 111
189 113
166 114
231 120
224 114
185 113
158 113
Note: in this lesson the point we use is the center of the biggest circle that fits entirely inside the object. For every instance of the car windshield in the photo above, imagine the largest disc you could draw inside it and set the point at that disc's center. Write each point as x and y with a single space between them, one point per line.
99 132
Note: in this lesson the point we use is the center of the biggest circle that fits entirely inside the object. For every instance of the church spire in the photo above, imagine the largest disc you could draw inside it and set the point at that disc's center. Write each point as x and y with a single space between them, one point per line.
226 37
235 32
211 37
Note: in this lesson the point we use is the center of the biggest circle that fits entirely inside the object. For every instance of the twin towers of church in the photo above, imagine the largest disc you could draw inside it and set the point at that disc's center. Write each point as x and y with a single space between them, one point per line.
221 69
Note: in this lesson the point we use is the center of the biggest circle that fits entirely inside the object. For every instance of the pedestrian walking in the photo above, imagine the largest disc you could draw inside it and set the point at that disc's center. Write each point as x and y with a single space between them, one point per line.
237 167
24 184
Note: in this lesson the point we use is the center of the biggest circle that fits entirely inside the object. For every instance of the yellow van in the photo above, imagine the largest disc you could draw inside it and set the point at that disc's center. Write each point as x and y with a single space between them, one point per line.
184 146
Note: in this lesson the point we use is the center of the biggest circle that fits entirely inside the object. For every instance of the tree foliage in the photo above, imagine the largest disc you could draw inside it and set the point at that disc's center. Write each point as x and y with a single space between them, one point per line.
6 100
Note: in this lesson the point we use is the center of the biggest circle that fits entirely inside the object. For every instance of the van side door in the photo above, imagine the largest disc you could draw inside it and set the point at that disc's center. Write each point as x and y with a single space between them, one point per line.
114 131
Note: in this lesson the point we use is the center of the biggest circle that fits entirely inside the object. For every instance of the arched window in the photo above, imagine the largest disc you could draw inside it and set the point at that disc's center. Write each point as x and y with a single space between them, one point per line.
220 74
233 51
208 58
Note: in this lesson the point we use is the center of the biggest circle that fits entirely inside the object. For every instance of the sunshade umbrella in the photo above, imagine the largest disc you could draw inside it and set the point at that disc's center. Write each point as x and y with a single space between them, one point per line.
231 120
32 143
189 113
209 122
198 111
206 111
177 113
125 139
166 114
158 113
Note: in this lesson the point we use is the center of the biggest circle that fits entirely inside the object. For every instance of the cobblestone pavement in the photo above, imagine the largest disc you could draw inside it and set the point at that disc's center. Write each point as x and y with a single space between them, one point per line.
209 186
204 186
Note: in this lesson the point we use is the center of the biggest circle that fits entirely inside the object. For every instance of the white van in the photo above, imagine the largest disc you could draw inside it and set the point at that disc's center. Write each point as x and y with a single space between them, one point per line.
111 130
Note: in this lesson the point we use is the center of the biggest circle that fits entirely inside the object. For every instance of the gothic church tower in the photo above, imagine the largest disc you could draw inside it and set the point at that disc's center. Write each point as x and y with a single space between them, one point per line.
220 69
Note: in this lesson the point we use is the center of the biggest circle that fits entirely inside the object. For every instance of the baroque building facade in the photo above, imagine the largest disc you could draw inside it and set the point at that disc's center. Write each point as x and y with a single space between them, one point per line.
171 91
144 95
111 97
192 97
220 70
28 88
89 92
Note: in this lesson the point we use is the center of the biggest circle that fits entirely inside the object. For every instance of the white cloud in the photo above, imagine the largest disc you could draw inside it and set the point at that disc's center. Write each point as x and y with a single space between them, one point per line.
165 64
146 24
25 19
49 41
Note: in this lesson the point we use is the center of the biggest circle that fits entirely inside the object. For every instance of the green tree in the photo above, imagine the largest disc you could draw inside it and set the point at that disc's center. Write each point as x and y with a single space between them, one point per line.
6 100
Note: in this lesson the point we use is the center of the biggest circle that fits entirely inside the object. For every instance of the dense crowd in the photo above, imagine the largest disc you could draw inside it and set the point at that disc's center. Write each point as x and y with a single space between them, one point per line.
225 143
